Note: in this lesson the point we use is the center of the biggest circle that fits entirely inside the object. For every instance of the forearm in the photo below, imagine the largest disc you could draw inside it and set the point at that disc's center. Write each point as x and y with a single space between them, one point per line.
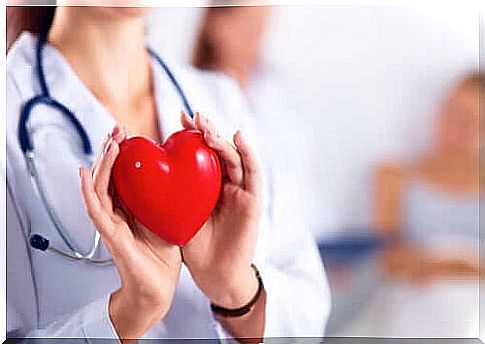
239 305
459 266
132 317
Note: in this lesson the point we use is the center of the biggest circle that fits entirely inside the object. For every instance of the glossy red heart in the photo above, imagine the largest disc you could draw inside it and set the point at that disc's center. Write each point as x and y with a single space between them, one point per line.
172 188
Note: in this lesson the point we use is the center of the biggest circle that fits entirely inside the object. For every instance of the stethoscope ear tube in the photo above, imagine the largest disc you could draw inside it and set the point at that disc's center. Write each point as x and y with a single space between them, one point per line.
25 141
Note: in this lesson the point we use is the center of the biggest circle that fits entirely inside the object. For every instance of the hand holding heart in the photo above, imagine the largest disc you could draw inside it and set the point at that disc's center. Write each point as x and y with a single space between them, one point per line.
219 256
148 266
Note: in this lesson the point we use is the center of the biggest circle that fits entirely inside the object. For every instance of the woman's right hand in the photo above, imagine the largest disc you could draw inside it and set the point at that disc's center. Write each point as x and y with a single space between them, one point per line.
148 266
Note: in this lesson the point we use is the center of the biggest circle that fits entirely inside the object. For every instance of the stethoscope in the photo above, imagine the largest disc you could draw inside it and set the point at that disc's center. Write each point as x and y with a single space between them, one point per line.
38 241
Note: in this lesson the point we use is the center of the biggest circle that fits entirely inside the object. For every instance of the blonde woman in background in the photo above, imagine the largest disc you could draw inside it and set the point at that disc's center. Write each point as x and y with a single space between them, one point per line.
428 209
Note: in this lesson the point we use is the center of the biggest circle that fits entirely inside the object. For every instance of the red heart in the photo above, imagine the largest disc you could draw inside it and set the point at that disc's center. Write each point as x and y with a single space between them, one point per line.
171 189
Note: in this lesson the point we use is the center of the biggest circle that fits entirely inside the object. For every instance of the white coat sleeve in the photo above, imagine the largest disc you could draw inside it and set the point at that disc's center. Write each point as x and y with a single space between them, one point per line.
298 301
92 321
298 298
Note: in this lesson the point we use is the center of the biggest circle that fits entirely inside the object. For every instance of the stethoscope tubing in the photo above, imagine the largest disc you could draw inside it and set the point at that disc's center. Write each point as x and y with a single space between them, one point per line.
37 241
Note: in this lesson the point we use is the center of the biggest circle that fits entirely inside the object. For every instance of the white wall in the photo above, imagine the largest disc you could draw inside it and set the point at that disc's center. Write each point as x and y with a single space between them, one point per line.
366 82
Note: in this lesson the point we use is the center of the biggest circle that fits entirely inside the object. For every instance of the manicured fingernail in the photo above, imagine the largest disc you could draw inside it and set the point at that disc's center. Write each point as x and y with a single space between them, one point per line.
238 137
115 131
210 139
187 117
207 137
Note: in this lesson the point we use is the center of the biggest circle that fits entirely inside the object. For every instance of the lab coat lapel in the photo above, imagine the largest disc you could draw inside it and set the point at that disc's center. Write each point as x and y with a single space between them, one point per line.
169 101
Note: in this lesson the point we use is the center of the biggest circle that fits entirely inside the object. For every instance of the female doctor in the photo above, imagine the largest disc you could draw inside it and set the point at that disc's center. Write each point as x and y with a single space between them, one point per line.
78 265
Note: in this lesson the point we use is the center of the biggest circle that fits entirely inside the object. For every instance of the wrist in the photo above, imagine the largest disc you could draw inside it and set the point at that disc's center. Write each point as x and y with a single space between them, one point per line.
132 315
237 291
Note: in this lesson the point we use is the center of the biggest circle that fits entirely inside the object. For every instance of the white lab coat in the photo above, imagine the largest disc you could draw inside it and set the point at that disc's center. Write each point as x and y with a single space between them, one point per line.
280 126
51 296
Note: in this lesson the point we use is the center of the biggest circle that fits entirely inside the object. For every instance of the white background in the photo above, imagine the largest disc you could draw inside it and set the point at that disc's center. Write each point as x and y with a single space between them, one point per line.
366 82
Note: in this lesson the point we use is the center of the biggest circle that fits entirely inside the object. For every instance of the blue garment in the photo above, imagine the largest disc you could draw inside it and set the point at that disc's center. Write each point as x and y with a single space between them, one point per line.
436 218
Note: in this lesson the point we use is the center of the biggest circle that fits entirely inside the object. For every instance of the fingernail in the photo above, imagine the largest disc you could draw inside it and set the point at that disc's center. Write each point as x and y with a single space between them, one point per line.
115 131
80 170
209 138
187 117
239 137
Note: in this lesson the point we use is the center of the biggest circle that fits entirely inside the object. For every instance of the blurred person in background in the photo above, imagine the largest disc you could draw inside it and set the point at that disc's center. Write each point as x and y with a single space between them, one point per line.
231 41
428 210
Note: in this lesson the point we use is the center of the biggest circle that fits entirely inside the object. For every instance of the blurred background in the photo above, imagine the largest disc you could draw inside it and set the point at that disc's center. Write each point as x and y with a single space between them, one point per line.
365 82
373 110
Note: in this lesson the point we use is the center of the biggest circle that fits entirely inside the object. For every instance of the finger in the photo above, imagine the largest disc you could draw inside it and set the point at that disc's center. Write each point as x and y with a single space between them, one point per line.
203 124
118 239
102 174
91 201
122 213
118 133
186 121
231 160
251 168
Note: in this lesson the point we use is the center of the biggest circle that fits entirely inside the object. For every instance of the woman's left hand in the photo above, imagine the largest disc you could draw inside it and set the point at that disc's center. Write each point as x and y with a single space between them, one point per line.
219 256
